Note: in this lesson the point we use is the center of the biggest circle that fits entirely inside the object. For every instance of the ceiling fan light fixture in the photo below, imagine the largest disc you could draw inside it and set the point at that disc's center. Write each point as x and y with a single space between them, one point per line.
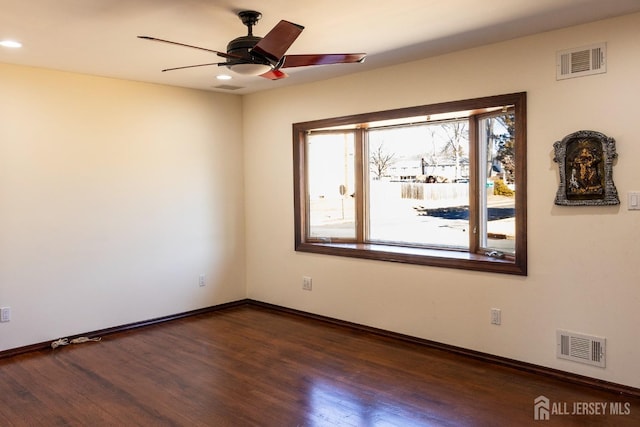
223 77
249 69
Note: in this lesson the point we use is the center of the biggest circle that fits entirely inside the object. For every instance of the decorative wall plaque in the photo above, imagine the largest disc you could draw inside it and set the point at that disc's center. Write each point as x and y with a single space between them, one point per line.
585 160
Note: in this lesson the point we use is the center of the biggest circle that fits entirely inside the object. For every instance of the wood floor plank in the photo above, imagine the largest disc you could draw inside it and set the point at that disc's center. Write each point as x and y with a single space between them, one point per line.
251 366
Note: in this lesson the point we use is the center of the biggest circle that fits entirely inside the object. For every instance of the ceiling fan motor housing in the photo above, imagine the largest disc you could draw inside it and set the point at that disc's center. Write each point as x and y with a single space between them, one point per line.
242 46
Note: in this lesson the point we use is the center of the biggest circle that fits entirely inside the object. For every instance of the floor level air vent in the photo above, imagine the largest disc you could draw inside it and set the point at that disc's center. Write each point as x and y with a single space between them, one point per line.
582 61
580 348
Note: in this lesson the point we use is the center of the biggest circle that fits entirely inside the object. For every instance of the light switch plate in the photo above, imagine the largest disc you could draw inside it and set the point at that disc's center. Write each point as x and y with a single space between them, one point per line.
634 200
5 314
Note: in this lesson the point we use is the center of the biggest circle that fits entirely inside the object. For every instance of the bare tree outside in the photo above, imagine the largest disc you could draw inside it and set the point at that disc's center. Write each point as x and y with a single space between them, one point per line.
457 134
381 161
434 159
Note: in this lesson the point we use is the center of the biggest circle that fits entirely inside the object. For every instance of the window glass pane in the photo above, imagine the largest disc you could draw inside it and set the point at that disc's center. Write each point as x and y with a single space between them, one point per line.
419 184
331 186
497 213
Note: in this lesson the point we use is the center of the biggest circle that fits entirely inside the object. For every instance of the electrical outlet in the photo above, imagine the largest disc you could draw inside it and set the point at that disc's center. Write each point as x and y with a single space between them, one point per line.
306 283
496 316
5 314
201 280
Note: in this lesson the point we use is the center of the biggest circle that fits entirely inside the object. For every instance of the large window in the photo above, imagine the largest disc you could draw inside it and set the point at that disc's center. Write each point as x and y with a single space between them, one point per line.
441 185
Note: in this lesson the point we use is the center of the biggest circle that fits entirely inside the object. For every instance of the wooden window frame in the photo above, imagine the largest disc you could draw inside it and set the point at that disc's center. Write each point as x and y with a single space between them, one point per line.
473 259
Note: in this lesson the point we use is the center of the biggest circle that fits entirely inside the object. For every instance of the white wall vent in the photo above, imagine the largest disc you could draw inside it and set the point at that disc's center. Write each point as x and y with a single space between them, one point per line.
580 348
582 61
228 87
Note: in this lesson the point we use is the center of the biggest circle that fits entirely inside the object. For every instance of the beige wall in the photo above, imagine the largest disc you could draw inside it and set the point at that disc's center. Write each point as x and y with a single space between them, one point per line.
114 197
584 269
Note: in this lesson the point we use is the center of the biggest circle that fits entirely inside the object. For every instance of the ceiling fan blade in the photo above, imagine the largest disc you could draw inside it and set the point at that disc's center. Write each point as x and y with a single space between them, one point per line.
274 45
290 61
222 54
192 66
274 75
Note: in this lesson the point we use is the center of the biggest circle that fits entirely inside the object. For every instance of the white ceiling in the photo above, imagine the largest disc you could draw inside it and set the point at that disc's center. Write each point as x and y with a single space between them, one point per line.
99 36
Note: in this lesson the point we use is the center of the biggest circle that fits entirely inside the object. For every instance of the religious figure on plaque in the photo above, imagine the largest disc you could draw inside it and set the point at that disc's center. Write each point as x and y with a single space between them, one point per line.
585 160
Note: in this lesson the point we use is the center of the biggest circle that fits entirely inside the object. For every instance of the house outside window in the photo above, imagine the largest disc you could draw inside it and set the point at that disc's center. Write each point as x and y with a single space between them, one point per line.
441 185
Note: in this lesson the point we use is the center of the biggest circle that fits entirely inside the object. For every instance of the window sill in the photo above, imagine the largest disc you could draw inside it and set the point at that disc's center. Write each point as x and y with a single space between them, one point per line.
421 256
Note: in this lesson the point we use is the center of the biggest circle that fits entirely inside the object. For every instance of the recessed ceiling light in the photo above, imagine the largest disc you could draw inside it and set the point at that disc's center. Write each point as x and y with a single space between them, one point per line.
223 77
10 43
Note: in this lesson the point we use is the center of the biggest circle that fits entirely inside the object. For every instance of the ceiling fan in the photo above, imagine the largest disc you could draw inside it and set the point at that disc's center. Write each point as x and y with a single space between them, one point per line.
265 56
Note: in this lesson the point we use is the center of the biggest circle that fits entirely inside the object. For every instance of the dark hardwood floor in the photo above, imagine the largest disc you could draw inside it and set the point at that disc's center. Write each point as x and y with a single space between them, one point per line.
252 366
